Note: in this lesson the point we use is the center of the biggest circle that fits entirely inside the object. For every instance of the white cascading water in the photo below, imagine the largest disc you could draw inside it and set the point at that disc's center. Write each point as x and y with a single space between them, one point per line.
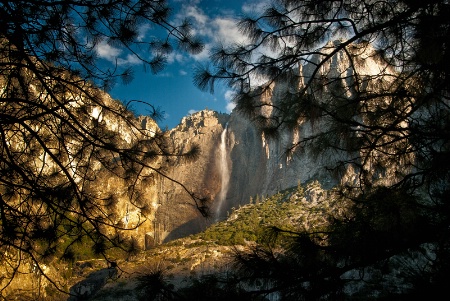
224 172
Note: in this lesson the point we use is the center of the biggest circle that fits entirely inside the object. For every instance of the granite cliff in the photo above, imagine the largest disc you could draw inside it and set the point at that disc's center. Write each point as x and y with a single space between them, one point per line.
236 163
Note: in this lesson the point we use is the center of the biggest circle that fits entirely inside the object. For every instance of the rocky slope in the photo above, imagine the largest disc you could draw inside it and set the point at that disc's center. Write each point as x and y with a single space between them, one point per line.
176 215
236 162
184 260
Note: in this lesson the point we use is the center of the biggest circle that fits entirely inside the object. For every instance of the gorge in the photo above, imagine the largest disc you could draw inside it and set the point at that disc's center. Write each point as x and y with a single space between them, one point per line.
237 164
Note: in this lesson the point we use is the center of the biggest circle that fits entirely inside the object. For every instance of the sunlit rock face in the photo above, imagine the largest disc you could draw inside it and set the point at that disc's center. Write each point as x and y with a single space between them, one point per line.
177 214
358 71
236 162
260 165
86 170
254 166
128 210
232 148
128 213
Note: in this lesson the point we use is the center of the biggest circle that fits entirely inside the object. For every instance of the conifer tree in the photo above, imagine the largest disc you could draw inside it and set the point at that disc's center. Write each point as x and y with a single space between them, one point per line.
388 122
54 140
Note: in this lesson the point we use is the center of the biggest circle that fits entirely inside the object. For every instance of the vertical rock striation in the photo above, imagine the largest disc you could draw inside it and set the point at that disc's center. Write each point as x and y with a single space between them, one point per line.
236 163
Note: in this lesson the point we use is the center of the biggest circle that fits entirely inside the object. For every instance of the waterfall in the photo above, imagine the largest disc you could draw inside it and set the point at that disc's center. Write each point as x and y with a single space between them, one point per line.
224 172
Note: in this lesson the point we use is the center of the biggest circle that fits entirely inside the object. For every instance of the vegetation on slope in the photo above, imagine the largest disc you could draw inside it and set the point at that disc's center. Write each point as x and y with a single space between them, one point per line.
203 266
254 254
59 130
368 81
287 210
288 238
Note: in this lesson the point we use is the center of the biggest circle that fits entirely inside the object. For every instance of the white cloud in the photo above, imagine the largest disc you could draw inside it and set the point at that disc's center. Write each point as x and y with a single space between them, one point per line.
164 74
129 60
230 107
195 13
255 7
175 57
229 95
192 111
204 55
213 30
220 29
112 54
182 72
142 31
107 52
227 32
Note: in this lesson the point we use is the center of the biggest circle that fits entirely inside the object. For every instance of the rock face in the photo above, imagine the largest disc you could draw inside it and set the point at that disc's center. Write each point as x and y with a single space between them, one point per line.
177 215
236 163
261 166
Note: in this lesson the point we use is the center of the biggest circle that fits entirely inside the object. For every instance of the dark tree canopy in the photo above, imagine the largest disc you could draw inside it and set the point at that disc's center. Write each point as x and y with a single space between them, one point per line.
59 131
389 122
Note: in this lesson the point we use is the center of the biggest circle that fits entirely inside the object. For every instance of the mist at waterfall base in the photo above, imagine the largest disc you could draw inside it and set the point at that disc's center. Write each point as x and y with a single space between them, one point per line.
224 174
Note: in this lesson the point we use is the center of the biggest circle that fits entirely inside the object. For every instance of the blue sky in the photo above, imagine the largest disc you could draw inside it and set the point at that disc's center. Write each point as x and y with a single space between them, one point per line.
172 89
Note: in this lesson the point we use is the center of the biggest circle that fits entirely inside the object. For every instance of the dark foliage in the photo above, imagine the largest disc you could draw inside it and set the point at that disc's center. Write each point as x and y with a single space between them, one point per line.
155 286
371 80
55 142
